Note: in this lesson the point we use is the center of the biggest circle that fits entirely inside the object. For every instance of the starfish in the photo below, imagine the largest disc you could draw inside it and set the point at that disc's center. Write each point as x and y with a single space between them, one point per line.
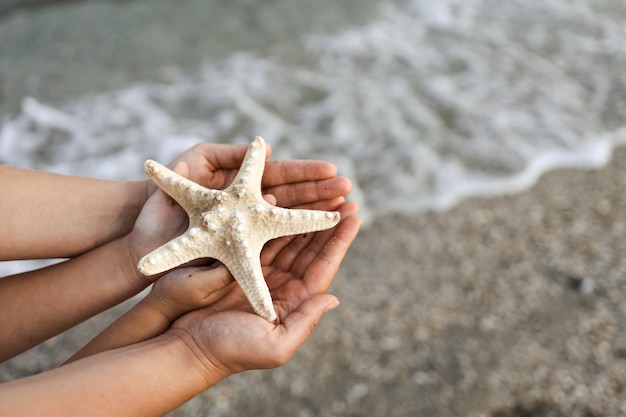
230 225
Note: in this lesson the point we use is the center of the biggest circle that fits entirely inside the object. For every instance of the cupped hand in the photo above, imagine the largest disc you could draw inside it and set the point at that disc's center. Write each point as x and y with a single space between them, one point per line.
293 183
227 337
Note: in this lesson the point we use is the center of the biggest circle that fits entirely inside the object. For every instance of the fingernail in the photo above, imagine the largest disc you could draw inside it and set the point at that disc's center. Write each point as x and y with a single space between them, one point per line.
332 306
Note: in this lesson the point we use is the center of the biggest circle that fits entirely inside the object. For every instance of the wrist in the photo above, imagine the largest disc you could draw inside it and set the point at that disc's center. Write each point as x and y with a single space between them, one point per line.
128 260
121 204
160 307
136 195
210 370
188 361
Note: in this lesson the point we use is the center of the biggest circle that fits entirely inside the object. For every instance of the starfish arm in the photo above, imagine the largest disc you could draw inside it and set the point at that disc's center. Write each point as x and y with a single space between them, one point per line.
248 178
231 225
286 222
186 192
178 251
246 269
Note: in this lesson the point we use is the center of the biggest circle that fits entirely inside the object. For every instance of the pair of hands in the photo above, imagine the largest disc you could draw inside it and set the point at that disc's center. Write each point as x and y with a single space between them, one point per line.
206 307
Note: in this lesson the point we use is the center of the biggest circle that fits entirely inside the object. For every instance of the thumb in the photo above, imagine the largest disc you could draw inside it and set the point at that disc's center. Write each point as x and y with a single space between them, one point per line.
301 322
270 198
211 278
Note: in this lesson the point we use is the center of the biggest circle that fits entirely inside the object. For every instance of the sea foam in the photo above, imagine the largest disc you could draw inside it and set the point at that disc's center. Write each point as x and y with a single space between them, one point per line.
430 103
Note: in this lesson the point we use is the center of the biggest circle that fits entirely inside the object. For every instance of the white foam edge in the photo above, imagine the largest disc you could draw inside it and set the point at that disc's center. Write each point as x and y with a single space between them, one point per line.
595 154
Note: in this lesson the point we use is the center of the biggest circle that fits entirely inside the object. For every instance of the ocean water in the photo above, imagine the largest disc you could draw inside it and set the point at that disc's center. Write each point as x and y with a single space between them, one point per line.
423 105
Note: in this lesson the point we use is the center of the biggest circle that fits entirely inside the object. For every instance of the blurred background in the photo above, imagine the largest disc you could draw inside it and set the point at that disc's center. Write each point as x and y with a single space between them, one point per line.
422 104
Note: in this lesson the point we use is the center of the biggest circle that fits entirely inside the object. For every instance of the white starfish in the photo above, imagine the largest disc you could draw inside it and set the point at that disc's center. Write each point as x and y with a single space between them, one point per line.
230 225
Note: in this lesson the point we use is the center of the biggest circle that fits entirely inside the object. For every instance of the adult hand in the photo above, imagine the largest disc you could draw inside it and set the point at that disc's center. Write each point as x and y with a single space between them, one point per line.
227 337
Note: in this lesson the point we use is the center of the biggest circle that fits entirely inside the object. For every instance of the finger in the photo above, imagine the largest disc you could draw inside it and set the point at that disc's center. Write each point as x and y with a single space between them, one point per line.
297 257
291 247
319 265
270 199
224 156
210 279
327 205
181 168
281 253
193 287
293 171
275 246
220 156
217 164
298 325
306 192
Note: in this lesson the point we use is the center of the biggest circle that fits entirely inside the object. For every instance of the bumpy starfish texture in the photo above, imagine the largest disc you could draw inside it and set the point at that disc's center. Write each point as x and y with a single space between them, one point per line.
231 225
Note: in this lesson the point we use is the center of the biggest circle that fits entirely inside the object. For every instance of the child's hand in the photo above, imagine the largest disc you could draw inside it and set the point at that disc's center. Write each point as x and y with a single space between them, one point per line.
174 294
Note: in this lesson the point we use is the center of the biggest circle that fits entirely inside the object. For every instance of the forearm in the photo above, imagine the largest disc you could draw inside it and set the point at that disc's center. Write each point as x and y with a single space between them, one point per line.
44 215
140 323
172 296
37 305
147 379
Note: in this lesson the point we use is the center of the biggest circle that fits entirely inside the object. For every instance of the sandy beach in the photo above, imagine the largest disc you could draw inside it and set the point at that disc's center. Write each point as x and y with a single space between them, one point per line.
508 306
